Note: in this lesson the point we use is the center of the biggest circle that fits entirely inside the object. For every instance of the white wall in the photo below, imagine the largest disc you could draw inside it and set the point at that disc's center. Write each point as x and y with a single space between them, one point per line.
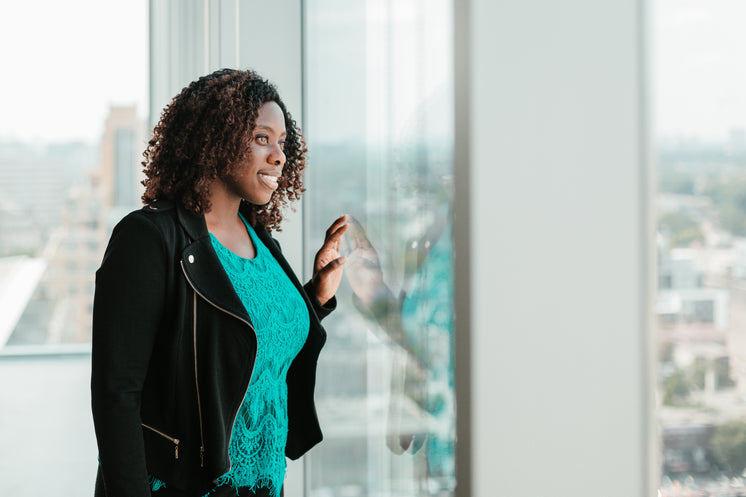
553 250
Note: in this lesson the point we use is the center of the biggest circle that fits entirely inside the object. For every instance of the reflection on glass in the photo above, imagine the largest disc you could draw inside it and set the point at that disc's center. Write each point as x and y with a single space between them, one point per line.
419 324
701 302
380 133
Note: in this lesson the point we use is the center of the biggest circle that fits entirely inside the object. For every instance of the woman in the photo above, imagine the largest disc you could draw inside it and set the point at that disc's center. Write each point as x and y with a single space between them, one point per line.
204 342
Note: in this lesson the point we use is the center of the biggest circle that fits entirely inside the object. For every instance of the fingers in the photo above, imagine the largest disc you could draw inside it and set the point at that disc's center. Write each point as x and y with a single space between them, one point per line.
353 238
327 279
357 233
348 246
335 232
335 226
358 236
336 263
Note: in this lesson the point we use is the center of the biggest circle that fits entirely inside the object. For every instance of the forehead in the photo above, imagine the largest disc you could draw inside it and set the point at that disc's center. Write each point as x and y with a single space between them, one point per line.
270 116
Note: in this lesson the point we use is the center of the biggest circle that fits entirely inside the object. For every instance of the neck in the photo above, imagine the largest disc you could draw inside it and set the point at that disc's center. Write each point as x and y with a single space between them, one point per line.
223 205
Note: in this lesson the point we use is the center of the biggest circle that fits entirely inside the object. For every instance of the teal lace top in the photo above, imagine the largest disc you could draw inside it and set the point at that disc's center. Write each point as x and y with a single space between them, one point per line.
280 318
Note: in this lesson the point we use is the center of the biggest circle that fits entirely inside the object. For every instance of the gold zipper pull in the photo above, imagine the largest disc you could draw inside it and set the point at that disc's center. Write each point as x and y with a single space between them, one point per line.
176 450
202 456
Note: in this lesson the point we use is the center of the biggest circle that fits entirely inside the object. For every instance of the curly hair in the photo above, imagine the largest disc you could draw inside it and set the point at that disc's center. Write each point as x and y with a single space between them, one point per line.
204 133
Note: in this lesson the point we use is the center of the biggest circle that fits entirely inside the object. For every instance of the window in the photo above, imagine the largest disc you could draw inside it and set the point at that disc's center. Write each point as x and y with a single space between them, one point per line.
70 143
379 126
67 171
701 163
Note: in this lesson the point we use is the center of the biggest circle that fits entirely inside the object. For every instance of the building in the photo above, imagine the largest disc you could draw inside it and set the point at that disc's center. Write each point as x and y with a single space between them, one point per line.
122 146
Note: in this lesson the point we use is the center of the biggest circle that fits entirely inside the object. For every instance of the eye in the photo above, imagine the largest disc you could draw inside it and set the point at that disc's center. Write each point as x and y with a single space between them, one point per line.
282 145
261 139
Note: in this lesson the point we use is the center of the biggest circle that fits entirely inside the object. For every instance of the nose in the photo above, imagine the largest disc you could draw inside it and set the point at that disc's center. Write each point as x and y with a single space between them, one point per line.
277 156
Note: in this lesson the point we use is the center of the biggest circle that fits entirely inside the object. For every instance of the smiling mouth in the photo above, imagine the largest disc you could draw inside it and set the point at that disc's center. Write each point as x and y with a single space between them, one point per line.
269 180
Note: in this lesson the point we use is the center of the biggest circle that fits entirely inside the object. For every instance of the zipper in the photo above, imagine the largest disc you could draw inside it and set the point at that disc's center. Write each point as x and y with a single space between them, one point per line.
172 439
196 384
194 332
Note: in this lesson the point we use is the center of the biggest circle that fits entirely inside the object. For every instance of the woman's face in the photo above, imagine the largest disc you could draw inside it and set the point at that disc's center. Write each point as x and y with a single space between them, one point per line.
256 179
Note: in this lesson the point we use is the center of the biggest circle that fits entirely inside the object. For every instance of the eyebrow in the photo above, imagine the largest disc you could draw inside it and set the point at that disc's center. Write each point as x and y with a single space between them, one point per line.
269 128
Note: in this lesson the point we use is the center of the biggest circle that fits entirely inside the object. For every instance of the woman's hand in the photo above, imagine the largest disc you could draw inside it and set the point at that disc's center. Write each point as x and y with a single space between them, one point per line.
327 266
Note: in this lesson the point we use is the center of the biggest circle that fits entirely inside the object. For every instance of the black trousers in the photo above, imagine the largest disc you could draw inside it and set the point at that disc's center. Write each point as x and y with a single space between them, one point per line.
225 491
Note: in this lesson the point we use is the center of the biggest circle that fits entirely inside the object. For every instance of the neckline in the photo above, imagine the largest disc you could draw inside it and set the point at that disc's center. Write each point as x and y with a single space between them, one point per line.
254 239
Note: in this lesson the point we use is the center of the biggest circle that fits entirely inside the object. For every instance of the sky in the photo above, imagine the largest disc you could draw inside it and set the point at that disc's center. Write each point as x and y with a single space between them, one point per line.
698 74
64 63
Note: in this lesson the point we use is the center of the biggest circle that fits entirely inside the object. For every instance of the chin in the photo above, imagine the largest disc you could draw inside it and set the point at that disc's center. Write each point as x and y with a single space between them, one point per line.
259 202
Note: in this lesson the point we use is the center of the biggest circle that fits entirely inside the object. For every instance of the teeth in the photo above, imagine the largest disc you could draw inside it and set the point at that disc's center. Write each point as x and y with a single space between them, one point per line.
269 177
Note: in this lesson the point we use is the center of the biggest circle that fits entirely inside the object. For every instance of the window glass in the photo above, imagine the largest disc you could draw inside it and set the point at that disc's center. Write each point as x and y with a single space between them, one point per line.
73 128
379 110
700 150
73 100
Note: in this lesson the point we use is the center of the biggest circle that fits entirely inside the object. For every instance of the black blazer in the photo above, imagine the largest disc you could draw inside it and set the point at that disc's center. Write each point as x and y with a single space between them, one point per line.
173 353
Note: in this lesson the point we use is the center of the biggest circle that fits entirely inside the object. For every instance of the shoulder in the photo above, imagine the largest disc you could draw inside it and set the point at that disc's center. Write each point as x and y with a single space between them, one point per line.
159 206
153 224
159 215
160 212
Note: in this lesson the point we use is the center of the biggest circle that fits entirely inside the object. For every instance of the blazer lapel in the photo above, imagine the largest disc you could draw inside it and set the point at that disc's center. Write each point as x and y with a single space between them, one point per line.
203 269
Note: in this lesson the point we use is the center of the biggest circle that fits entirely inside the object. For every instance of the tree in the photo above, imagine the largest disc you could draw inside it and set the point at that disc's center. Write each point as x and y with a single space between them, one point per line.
728 445
676 388
698 371
676 182
681 228
728 195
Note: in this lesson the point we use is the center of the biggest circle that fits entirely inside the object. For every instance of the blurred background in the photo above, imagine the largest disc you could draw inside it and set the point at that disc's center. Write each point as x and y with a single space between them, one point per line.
700 157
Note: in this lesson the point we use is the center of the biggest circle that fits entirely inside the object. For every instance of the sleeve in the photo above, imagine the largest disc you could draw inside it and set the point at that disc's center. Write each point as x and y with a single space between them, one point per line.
322 311
127 309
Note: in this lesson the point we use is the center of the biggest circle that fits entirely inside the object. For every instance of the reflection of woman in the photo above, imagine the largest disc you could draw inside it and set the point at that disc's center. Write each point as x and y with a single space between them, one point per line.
204 342
420 322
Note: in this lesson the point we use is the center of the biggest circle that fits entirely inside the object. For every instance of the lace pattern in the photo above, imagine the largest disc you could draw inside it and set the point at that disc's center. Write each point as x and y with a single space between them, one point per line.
280 318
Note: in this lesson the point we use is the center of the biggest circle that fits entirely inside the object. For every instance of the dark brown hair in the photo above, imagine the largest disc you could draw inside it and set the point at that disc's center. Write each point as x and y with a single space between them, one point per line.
204 134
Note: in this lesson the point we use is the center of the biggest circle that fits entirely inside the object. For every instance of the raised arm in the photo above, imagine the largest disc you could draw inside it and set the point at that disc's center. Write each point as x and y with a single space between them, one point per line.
327 266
